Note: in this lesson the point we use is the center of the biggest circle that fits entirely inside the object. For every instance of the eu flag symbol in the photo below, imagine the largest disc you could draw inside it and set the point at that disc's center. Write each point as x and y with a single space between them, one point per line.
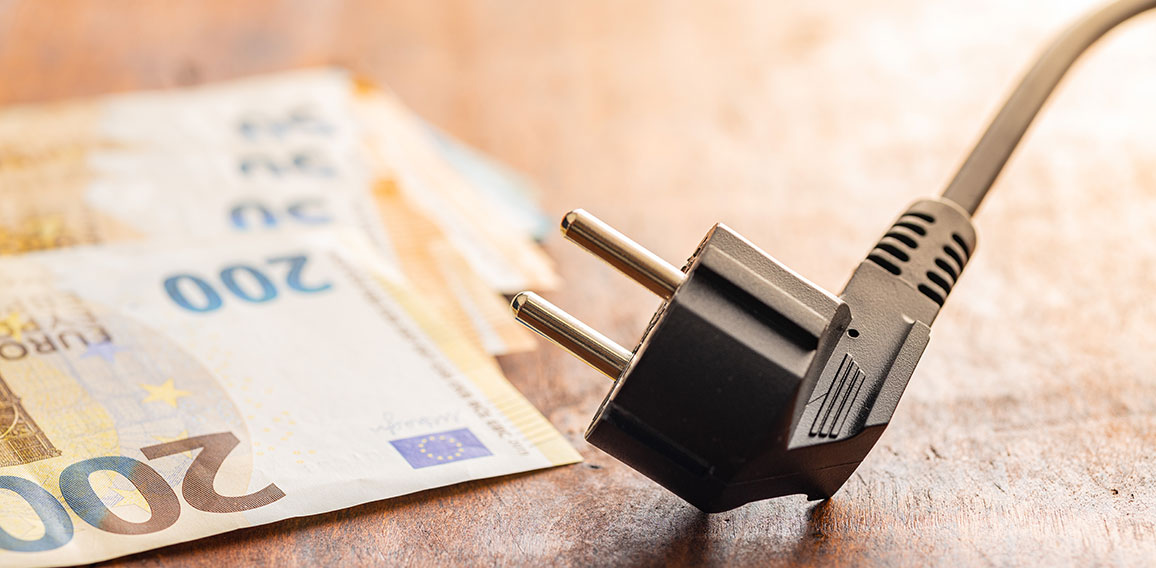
441 448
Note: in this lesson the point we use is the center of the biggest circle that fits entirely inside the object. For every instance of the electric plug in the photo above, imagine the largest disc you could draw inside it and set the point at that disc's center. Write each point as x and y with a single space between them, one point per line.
750 382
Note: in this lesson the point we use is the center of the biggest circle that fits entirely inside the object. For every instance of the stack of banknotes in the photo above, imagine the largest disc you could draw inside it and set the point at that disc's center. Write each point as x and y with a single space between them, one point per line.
232 304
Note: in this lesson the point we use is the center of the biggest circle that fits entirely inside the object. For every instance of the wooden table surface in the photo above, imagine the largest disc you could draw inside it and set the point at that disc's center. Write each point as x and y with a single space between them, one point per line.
1028 432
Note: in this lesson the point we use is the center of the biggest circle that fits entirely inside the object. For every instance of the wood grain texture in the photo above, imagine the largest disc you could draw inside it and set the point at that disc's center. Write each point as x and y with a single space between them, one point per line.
1027 434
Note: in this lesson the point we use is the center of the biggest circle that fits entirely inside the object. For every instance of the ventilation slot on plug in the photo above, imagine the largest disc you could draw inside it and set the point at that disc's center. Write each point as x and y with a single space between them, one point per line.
900 243
927 247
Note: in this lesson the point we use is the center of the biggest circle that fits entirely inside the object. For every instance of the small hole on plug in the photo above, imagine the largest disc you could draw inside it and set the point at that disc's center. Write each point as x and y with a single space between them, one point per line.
853 332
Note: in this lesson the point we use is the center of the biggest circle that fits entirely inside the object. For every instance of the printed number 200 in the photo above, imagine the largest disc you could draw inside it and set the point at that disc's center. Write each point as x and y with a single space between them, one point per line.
258 290
197 489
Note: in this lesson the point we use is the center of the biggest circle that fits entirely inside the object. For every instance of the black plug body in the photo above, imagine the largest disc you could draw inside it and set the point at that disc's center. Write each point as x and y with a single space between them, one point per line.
751 382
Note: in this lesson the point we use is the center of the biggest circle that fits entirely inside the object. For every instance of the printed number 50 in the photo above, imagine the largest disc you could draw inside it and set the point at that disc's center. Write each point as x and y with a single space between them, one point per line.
197 488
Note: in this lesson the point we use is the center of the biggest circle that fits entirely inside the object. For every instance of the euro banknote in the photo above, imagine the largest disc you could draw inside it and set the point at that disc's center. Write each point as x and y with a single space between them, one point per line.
158 392
491 236
256 155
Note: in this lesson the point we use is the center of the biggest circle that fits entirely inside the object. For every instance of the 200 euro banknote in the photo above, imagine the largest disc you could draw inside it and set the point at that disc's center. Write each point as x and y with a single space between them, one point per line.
252 155
157 393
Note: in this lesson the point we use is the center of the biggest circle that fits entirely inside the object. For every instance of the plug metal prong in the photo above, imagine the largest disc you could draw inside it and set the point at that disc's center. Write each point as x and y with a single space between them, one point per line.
567 332
641 265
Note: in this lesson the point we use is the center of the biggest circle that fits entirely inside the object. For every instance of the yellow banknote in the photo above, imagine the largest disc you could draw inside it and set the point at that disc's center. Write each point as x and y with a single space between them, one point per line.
160 392
253 155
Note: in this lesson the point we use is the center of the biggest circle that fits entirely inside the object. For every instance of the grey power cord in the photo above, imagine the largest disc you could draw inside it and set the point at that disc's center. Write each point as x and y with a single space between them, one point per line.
981 168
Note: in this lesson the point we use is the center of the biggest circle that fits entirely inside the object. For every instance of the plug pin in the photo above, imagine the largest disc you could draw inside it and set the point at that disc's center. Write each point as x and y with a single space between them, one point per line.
629 257
567 332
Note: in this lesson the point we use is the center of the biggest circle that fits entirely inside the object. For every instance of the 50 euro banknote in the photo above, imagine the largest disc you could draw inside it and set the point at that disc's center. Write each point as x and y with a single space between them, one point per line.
158 393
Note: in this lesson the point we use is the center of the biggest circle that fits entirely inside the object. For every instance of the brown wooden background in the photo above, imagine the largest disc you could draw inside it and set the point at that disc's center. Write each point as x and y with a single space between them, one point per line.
1027 435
